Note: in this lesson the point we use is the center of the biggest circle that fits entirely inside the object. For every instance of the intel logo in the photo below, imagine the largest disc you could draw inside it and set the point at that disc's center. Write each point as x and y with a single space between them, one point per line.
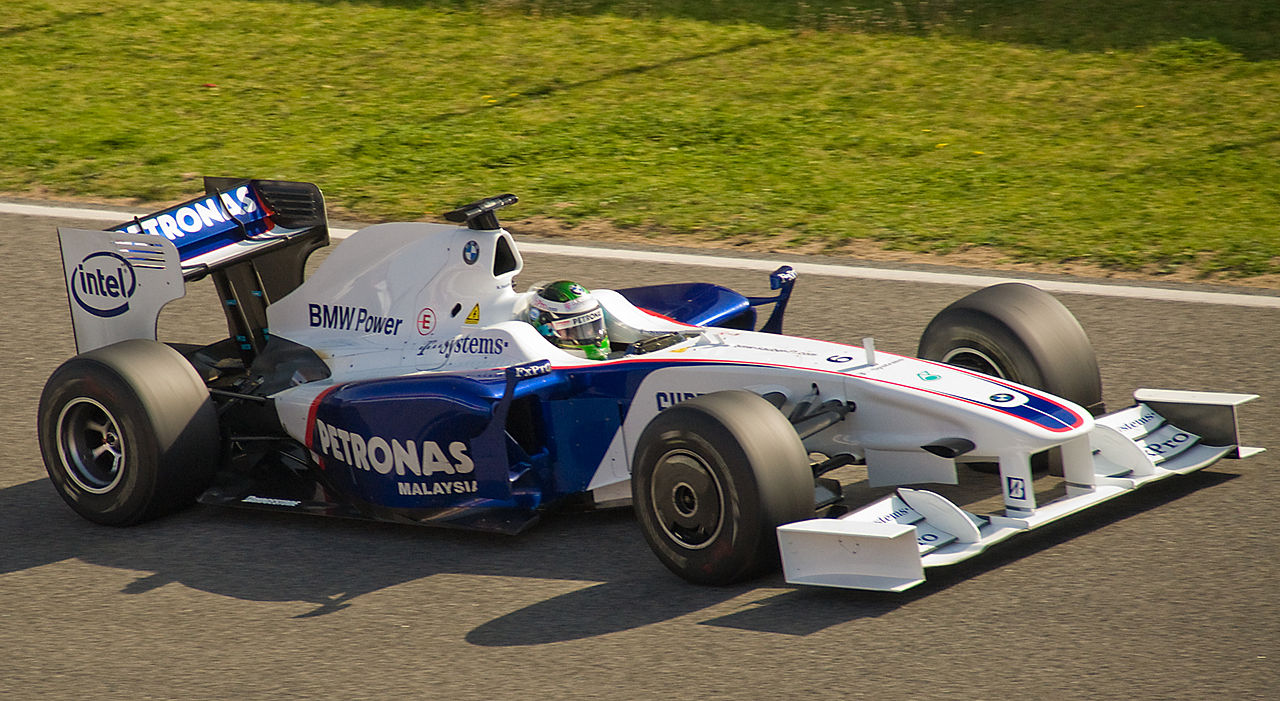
103 283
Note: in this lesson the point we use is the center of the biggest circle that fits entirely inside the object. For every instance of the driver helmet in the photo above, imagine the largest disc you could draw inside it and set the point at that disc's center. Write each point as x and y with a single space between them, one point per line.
569 316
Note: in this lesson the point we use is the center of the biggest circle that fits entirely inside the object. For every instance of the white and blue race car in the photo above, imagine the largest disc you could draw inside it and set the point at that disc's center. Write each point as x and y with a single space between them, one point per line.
403 381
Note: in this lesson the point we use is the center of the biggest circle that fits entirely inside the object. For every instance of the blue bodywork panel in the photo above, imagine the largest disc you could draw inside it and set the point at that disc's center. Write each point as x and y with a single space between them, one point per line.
695 303
502 439
413 442
705 304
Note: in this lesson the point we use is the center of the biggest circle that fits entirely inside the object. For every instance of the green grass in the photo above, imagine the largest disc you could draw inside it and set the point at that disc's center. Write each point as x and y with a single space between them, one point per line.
1138 134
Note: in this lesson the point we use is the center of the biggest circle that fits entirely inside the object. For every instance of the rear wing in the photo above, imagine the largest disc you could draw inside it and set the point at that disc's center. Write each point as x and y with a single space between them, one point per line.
235 220
251 236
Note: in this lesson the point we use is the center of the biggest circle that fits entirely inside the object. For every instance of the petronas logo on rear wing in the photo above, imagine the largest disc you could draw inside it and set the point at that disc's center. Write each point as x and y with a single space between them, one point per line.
234 220
207 223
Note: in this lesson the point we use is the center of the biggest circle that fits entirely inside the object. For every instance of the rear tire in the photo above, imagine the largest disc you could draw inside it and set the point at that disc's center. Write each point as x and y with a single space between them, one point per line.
1020 333
712 478
128 432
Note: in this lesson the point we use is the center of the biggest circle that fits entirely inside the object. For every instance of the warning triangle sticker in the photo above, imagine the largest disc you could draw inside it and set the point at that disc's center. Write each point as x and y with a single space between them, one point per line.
474 316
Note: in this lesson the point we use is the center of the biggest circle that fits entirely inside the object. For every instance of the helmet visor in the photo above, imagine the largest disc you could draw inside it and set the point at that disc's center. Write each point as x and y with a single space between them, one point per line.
587 329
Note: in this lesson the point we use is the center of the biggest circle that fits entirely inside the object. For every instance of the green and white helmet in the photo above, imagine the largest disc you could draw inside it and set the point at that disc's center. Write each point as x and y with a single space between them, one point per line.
569 316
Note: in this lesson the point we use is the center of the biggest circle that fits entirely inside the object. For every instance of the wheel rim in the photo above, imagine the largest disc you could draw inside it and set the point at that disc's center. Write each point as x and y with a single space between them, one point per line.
687 499
974 359
91 445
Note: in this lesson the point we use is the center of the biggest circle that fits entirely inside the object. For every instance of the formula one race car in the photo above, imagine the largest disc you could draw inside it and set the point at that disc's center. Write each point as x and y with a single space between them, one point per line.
407 380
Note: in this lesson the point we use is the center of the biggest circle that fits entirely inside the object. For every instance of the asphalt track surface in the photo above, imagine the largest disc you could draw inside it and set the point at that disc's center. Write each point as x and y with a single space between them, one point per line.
1167 593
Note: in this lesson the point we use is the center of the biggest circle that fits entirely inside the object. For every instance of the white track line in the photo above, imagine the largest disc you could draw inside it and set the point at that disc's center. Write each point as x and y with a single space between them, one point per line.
33 210
1064 287
824 269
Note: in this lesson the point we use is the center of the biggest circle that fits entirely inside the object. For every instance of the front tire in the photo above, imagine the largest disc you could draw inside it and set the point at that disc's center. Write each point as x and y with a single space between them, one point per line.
1020 333
712 478
128 432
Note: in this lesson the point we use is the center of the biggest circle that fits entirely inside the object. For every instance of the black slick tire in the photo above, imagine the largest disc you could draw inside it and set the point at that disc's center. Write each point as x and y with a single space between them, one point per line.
711 480
1020 333
128 432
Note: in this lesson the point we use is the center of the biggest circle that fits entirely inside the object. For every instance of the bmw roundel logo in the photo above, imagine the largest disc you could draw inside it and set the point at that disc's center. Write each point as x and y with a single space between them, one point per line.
470 252
1002 398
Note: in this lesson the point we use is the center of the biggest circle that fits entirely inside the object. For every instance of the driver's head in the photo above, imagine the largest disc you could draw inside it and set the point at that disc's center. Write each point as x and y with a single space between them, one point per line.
570 317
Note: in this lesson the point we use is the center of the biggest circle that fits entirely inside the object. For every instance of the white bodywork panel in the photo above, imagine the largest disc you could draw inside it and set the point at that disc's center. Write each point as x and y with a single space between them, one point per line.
391 288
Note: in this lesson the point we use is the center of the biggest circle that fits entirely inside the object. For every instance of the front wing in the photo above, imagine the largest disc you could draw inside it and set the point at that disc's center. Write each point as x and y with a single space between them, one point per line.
886 545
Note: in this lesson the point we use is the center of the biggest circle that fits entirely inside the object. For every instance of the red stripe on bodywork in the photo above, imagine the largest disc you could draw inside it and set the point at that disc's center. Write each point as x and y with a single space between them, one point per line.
311 416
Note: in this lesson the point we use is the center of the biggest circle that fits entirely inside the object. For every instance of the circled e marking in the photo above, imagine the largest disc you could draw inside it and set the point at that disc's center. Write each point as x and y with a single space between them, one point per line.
426 321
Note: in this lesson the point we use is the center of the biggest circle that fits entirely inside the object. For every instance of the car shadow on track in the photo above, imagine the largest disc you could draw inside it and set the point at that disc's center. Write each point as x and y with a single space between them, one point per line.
330 563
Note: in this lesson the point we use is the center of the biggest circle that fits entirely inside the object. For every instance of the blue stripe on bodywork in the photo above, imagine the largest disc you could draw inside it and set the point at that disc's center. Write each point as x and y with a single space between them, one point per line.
1039 411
